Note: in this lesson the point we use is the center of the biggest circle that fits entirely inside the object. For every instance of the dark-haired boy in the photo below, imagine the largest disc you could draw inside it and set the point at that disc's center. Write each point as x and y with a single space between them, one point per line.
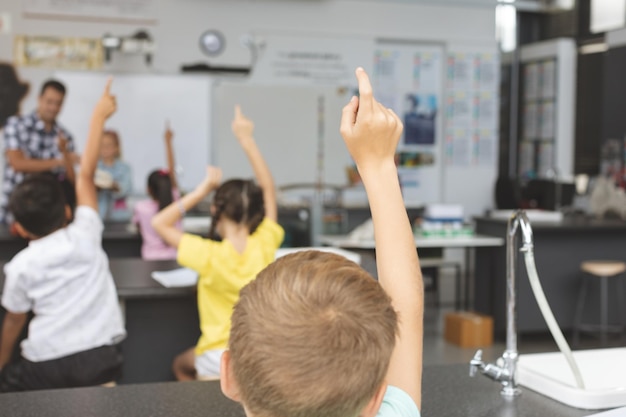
63 277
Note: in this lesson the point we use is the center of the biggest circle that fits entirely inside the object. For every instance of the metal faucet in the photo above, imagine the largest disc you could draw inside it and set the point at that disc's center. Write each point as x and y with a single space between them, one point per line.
504 370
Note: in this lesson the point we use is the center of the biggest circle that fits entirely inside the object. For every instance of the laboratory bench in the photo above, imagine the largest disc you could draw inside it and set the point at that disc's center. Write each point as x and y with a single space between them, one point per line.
559 249
448 391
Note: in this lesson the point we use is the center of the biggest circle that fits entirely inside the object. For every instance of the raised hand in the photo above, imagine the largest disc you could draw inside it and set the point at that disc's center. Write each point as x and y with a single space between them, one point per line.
107 105
62 142
169 134
370 130
211 181
242 127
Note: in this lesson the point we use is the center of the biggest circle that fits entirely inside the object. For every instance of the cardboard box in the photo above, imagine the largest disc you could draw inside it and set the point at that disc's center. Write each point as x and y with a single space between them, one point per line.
468 329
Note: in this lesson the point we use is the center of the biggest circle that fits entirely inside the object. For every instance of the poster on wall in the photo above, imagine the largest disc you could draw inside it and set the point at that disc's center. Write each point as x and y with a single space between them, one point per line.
471 106
305 61
59 53
419 119
408 78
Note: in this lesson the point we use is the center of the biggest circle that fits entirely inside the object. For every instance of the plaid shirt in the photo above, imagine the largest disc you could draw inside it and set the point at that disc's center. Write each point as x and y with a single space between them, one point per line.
27 134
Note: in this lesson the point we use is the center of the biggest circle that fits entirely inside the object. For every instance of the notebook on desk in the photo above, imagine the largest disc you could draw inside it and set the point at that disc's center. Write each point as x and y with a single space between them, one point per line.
180 277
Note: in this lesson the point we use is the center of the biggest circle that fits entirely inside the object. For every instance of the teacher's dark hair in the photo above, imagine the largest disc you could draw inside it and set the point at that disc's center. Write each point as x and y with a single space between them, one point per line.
54 84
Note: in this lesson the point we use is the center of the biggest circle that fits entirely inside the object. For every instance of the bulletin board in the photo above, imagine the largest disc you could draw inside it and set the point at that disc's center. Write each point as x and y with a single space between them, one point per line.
145 103
407 77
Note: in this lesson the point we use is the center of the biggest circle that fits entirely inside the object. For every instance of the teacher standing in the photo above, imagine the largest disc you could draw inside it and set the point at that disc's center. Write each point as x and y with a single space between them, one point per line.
35 142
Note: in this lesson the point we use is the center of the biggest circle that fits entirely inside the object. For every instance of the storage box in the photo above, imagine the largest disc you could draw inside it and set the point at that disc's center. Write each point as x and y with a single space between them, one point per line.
467 329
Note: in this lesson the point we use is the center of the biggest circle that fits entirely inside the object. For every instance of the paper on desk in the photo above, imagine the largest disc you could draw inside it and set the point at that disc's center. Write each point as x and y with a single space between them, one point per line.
618 412
181 277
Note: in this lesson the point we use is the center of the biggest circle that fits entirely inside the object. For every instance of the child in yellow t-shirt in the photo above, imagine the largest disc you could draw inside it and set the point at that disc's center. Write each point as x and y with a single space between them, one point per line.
244 216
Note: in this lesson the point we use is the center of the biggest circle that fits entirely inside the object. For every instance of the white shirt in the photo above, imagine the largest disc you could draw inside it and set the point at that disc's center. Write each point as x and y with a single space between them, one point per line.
64 278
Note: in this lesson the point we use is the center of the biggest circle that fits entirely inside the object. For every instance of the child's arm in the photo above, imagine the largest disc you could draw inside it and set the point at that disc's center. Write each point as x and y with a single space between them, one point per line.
371 133
169 150
243 129
164 222
86 194
68 159
11 328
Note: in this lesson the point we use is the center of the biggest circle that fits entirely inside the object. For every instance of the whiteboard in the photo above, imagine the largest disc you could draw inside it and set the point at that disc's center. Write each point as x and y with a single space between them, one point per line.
144 103
297 148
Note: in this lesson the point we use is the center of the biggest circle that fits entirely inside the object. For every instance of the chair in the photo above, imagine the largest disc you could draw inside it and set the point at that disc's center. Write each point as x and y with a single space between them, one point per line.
605 271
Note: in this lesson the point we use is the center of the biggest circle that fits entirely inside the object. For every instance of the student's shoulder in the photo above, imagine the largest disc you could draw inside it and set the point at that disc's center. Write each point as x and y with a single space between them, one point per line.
23 261
269 230
86 217
397 403
146 206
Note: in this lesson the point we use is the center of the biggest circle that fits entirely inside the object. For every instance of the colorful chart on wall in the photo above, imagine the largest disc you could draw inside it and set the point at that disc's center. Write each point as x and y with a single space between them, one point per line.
408 79
471 107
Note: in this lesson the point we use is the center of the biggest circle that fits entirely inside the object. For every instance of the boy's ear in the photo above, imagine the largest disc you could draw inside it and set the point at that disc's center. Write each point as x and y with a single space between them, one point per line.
372 407
227 379
68 213
212 209
21 231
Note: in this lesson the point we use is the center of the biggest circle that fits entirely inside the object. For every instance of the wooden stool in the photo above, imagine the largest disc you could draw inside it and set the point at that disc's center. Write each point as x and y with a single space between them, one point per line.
603 270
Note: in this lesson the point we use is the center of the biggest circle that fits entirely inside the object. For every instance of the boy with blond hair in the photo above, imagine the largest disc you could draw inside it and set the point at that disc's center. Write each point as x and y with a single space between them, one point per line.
314 334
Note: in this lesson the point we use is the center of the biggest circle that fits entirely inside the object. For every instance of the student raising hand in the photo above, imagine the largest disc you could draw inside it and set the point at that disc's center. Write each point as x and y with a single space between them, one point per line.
243 128
107 104
212 180
370 130
371 133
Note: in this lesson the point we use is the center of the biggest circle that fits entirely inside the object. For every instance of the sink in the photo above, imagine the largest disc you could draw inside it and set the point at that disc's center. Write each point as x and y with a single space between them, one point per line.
603 372
534 216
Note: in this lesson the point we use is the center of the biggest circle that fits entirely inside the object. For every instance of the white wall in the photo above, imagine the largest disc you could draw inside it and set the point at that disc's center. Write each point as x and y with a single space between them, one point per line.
180 23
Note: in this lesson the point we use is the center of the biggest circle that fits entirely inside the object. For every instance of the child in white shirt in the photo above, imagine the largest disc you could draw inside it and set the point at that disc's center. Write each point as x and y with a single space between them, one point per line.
63 277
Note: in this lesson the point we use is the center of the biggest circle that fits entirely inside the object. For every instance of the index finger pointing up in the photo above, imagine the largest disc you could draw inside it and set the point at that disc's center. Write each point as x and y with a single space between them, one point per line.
366 99
107 88
237 111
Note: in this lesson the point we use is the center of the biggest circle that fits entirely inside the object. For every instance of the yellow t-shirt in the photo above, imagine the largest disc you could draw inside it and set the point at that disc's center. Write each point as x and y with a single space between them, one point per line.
222 273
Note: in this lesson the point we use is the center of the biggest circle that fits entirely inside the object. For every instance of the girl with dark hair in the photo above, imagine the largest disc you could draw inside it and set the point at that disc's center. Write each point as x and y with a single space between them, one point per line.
163 189
244 215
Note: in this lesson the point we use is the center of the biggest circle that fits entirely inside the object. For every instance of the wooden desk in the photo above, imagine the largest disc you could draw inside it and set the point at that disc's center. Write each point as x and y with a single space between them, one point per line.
448 392
160 322
467 243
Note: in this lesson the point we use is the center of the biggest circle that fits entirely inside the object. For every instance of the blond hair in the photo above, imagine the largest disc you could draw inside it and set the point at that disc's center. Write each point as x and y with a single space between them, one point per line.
312 335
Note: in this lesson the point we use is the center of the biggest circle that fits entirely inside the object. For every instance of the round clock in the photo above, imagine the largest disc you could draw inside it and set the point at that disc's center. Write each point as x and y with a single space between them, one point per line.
212 42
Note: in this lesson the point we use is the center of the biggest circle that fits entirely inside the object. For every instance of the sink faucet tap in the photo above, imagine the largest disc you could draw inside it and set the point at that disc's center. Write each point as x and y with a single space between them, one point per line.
504 370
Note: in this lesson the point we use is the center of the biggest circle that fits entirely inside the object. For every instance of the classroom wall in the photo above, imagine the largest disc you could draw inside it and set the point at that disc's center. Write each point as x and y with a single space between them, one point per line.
180 23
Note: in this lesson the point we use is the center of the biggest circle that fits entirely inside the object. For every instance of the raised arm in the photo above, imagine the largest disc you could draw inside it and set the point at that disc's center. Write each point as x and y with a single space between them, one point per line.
243 128
86 194
371 133
169 150
164 222
68 159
